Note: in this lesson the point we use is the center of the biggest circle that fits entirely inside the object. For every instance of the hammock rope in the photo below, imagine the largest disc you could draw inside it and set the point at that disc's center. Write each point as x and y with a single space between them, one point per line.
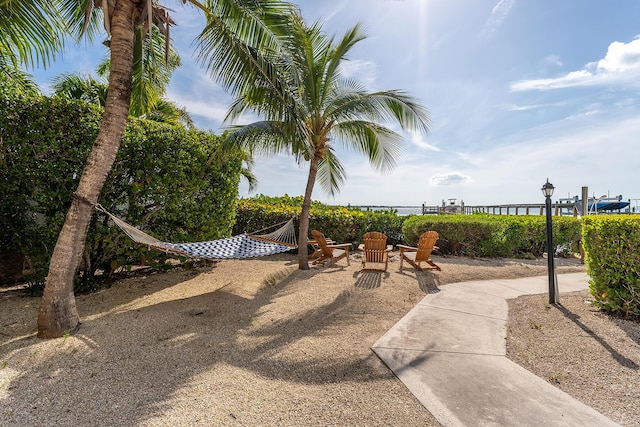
241 246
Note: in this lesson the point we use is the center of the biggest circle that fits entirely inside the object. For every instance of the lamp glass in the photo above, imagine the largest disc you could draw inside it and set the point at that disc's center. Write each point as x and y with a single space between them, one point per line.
547 189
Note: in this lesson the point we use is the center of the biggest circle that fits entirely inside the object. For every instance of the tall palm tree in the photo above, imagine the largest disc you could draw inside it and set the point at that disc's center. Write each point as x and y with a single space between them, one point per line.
235 33
310 108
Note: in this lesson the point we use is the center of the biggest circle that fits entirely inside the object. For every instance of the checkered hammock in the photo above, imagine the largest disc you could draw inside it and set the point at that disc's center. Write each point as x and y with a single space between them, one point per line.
240 246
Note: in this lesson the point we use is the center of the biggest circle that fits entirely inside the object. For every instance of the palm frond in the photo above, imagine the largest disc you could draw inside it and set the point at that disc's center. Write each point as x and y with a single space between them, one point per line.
16 78
82 18
31 33
392 106
239 35
165 111
80 86
331 173
380 144
263 137
153 67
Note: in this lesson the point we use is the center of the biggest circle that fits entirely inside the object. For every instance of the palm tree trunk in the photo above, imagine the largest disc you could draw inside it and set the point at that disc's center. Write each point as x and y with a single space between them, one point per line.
57 314
303 232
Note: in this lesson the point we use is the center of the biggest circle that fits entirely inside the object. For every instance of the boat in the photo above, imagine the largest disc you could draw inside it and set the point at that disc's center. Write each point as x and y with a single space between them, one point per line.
447 208
451 207
596 205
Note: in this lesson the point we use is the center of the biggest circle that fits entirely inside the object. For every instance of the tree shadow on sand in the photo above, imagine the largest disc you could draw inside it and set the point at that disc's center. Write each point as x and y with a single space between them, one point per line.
134 361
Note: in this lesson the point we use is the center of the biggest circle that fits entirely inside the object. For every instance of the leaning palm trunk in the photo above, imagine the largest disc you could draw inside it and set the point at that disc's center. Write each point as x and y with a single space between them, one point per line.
58 314
303 255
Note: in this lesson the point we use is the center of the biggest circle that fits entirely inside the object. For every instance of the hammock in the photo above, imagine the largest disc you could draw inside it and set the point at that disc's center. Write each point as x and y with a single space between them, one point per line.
241 246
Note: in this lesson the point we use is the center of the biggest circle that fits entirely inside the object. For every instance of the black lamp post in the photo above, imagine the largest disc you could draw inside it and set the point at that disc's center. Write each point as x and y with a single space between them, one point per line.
547 190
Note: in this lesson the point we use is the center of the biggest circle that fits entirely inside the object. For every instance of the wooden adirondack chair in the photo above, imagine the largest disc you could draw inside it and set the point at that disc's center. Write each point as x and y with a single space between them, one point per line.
375 251
422 253
317 251
331 253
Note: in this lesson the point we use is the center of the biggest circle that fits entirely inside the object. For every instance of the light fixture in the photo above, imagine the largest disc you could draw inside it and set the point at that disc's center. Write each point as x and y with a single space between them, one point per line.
547 189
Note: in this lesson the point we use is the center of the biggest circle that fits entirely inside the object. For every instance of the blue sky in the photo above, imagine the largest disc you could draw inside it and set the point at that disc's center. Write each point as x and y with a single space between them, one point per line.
518 91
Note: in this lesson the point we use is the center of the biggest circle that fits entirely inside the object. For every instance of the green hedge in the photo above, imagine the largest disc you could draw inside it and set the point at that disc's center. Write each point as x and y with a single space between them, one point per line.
612 254
342 224
488 235
463 235
176 184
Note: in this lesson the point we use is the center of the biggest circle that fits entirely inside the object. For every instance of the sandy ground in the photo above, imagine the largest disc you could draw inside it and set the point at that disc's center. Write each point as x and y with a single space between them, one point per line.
261 343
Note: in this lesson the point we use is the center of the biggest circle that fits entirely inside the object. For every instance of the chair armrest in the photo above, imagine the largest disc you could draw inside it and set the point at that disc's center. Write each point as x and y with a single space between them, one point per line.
361 247
407 248
340 246
313 242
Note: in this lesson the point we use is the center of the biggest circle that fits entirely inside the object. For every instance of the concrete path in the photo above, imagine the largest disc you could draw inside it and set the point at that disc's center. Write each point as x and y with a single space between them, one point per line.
450 352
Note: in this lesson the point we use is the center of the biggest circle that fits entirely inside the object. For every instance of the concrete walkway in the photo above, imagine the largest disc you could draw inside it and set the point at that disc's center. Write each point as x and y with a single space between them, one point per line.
450 352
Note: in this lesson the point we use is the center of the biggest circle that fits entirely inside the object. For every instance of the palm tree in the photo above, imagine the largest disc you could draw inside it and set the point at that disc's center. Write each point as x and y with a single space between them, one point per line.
235 33
310 108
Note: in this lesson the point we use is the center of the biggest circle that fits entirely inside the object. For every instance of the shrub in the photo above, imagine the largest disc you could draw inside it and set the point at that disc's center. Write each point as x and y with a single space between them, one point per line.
493 235
342 224
177 184
612 250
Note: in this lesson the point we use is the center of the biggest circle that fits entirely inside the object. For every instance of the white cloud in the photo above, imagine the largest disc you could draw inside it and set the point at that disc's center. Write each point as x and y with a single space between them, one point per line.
499 13
553 60
572 79
211 111
621 57
450 178
418 140
621 64
515 107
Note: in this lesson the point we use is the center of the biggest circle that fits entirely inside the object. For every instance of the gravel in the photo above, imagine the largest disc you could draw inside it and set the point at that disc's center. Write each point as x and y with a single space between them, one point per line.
246 343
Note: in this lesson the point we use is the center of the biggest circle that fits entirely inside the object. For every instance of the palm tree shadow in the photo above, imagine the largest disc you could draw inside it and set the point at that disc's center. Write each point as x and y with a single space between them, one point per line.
622 360
161 347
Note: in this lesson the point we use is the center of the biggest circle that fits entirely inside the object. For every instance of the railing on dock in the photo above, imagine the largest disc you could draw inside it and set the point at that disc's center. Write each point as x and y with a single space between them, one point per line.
522 209
567 207
508 209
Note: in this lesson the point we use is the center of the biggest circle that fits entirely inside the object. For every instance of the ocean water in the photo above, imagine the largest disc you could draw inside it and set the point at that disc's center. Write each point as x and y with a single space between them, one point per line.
401 210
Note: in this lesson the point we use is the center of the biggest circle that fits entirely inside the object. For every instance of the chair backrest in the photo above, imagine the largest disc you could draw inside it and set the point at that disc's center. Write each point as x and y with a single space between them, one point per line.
426 243
375 245
322 242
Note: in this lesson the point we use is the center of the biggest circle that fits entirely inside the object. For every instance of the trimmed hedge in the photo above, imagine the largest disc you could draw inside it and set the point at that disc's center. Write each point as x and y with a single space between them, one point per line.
486 235
179 185
612 253
342 224
463 235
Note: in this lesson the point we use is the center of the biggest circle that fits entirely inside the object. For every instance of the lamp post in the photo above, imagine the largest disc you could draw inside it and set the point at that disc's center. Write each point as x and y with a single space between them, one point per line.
547 190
